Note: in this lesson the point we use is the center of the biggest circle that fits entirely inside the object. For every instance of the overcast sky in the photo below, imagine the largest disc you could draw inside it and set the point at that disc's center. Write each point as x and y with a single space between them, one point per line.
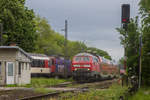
90 21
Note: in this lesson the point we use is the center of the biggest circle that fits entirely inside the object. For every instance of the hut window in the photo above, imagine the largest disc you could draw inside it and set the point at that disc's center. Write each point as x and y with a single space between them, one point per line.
10 69
19 69
0 68
22 66
26 66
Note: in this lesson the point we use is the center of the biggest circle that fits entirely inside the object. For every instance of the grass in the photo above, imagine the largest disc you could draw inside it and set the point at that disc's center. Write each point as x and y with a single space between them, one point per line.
42 82
113 93
43 90
142 94
45 82
11 85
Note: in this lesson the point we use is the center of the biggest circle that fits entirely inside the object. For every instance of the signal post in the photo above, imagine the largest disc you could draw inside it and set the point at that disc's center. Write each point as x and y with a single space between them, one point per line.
125 20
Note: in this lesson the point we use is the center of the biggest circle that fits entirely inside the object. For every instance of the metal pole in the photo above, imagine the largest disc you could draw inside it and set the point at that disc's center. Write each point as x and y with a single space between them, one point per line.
1 34
140 65
65 45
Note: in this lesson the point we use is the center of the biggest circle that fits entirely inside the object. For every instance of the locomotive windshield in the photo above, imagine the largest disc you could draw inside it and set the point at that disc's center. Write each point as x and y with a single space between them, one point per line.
77 59
86 59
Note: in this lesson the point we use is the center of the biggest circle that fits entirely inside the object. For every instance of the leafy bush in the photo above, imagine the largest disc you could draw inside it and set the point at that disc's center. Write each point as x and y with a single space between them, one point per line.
113 93
45 82
142 94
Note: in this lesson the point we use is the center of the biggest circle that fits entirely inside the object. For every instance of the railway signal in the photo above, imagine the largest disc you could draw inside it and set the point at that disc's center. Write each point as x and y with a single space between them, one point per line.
125 18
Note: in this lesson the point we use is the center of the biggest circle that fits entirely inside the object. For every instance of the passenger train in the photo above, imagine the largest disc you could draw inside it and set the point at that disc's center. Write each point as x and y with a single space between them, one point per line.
84 66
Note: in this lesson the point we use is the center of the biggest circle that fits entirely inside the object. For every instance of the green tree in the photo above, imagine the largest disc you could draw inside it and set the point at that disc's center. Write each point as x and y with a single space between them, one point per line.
48 41
18 23
145 12
130 41
75 47
100 52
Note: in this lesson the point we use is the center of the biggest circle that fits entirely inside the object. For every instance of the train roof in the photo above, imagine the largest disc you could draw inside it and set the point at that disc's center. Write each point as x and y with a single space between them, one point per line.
84 54
38 56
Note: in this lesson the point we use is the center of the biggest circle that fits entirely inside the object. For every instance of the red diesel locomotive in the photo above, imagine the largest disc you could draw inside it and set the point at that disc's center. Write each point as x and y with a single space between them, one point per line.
86 66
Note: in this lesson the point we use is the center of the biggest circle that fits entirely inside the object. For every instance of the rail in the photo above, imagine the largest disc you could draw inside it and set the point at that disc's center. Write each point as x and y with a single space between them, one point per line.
41 97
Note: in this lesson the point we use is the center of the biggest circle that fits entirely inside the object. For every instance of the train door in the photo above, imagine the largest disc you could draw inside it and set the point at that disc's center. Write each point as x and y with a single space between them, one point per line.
9 73
96 64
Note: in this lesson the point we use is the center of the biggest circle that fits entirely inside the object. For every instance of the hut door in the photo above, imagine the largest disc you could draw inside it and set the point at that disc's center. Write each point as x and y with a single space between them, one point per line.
10 73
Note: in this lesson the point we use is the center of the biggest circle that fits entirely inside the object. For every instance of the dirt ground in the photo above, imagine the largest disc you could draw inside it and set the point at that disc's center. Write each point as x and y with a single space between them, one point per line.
16 94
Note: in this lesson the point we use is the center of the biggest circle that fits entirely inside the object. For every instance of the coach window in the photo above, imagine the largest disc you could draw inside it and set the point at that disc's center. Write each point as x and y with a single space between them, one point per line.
49 63
53 62
43 64
96 60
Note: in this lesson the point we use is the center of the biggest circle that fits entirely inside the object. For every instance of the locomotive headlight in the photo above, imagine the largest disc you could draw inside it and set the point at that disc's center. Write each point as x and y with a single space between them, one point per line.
75 69
76 65
87 66
88 69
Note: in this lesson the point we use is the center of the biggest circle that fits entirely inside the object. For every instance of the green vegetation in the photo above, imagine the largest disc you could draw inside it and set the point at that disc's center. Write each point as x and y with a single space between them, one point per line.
43 90
145 29
130 40
142 94
100 52
113 93
42 82
45 82
18 24
11 85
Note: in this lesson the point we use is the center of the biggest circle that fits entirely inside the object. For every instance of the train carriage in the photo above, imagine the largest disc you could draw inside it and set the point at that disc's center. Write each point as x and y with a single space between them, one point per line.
40 65
60 67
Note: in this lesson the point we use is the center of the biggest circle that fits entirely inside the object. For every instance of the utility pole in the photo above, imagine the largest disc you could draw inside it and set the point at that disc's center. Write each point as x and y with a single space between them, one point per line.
65 46
66 36
140 65
1 34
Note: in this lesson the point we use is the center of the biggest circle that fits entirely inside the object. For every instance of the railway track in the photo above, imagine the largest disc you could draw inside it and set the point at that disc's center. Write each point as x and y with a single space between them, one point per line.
42 97
84 87
61 89
55 95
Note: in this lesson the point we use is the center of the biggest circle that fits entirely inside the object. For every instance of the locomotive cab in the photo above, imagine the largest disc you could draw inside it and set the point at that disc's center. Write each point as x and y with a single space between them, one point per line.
84 65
